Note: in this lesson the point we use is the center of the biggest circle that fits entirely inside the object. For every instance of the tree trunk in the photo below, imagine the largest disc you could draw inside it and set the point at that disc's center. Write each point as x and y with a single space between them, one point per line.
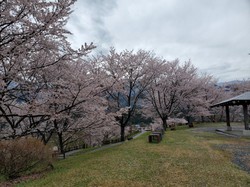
190 122
164 123
45 139
221 115
122 133
60 141
202 119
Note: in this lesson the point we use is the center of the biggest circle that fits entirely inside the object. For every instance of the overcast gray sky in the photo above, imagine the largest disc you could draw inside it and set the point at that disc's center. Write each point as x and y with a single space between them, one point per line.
214 34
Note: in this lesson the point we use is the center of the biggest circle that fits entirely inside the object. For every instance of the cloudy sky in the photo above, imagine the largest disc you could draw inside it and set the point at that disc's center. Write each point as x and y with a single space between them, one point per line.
214 34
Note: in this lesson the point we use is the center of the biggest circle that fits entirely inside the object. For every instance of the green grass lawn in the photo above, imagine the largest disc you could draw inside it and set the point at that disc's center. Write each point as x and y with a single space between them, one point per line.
184 158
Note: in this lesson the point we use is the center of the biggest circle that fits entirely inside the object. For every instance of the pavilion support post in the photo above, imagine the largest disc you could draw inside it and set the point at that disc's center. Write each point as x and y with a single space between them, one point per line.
245 117
229 128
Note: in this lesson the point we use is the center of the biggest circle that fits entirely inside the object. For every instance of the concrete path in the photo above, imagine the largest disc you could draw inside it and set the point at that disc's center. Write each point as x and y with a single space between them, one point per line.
105 147
236 132
141 133
99 148
115 144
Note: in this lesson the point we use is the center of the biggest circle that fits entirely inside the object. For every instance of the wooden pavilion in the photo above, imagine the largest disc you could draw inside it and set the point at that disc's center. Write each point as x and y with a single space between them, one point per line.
244 100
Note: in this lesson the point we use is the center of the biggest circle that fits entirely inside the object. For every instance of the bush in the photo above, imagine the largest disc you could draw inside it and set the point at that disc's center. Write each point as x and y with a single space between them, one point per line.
21 155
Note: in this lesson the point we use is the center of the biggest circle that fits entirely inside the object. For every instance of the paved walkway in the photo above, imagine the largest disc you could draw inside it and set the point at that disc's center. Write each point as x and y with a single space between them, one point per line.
115 144
236 132
99 148
233 133
137 135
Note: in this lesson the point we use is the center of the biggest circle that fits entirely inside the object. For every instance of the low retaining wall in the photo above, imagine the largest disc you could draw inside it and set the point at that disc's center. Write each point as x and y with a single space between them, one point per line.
246 132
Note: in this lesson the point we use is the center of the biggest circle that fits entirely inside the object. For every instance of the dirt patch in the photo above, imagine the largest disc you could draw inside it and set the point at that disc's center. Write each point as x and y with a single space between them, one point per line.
241 155
240 152
33 176
14 182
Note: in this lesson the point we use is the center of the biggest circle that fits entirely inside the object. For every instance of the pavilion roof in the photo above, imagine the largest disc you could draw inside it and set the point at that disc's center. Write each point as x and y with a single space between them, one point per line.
237 100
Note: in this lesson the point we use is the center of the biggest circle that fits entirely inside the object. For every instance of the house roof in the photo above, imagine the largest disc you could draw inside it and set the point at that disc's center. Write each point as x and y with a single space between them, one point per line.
238 100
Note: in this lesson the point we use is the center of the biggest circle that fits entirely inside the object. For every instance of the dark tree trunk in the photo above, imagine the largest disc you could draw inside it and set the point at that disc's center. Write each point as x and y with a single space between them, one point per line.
202 119
221 116
122 133
45 139
61 146
164 123
190 121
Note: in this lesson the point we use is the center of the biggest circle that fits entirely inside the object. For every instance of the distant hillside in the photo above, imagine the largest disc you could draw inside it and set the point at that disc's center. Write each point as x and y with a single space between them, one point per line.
223 84
235 86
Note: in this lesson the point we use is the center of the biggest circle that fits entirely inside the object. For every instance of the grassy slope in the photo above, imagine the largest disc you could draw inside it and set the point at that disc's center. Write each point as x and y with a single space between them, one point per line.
183 158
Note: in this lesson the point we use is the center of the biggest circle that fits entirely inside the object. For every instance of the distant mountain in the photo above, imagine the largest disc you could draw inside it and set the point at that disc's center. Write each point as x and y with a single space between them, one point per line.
223 84
228 86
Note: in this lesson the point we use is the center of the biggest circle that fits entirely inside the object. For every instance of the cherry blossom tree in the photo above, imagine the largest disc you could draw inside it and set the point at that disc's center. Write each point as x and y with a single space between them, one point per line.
32 40
129 74
72 99
199 98
177 91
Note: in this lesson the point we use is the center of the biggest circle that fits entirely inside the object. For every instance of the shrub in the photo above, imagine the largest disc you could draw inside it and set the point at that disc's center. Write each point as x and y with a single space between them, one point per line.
21 155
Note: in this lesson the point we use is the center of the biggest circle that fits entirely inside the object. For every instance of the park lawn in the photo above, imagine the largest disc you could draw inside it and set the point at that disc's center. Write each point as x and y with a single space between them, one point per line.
184 158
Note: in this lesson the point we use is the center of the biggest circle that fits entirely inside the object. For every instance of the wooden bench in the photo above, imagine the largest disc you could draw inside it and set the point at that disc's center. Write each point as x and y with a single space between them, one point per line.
154 138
